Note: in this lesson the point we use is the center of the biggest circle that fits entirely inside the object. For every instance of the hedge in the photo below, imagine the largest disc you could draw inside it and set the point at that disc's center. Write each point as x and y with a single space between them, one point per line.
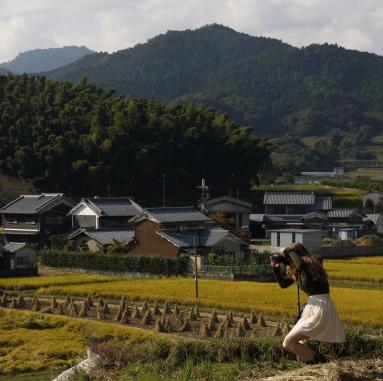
115 263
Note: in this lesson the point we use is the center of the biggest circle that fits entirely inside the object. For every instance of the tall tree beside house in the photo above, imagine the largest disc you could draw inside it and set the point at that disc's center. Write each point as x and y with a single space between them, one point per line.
85 141
11 188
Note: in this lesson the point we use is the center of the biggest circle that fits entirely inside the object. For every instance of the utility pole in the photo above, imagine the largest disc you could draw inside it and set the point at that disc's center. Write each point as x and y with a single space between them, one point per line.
204 194
195 268
163 189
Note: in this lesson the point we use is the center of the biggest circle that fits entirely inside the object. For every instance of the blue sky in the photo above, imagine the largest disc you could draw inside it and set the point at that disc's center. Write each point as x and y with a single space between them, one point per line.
110 25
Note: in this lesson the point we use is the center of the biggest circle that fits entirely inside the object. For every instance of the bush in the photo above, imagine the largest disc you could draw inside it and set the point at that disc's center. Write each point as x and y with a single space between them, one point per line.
368 240
118 263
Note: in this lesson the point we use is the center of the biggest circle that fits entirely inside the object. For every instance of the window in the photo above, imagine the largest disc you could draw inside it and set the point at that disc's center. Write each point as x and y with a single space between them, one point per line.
11 219
54 220
22 261
29 220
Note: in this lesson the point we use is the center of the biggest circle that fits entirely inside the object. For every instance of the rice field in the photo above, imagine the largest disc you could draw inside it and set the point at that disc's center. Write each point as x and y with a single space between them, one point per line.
32 283
33 341
358 260
358 269
268 298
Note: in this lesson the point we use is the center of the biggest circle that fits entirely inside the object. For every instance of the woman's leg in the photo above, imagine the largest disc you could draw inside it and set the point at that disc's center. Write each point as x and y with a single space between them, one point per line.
292 344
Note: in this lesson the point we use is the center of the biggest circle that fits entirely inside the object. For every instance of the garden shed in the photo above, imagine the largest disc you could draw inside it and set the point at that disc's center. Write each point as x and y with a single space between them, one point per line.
310 238
17 259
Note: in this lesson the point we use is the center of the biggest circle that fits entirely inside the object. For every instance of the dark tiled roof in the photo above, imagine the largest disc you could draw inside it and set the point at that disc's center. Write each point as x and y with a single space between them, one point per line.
341 213
185 239
176 214
289 198
113 207
106 236
228 199
315 215
323 203
32 204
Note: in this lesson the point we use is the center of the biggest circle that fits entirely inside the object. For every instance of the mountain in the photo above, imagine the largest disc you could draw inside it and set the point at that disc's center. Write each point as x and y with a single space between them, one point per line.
261 82
38 60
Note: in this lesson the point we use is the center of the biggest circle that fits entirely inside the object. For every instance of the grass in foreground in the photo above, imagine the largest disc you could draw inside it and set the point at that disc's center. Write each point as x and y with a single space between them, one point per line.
354 305
33 341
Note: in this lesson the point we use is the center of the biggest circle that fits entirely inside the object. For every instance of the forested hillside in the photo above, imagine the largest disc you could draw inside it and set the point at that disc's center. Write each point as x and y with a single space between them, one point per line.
37 60
260 82
84 141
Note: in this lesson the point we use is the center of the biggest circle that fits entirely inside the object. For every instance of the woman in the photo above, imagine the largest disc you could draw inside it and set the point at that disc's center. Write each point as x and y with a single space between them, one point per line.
319 320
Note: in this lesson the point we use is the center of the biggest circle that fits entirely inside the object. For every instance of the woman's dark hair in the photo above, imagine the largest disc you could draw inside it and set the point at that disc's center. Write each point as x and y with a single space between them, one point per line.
314 266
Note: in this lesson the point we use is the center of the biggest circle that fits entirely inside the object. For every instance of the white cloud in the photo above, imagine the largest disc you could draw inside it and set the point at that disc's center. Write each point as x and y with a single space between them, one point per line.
118 24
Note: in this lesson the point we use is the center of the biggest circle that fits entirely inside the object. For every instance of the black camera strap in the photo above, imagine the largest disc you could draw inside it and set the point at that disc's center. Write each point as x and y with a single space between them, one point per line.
299 301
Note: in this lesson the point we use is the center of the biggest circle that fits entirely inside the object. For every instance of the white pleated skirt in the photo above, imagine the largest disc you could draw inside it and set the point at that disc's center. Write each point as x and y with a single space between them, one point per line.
320 320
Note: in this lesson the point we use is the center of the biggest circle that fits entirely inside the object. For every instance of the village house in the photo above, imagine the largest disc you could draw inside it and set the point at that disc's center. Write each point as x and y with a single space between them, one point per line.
107 213
315 177
98 240
310 238
101 222
170 231
290 210
16 259
33 218
237 210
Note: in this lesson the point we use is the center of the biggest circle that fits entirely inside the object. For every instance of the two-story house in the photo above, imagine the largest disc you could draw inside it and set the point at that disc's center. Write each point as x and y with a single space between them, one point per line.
238 210
170 231
33 218
100 222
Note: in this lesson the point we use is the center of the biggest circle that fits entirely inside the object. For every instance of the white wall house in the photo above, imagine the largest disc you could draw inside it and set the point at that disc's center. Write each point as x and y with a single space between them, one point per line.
311 239
347 233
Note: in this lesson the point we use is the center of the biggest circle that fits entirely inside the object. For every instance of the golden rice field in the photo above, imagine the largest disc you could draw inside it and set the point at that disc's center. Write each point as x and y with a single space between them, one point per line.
358 260
32 341
355 305
28 283
358 269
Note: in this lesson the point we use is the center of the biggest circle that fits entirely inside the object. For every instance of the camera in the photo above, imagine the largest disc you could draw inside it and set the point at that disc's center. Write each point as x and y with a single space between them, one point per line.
281 259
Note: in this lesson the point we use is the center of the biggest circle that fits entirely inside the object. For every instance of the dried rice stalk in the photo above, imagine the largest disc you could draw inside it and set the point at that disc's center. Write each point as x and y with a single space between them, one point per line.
156 309
13 303
167 309
253 318
277 331
125 316
145 306
214 316
239 332
136 313
147 319
261 321
185 326
204 330
159 326
245 324
21 301
220 332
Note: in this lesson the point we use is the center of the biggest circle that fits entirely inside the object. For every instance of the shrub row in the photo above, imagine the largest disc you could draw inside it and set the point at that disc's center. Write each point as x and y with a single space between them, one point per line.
115 263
